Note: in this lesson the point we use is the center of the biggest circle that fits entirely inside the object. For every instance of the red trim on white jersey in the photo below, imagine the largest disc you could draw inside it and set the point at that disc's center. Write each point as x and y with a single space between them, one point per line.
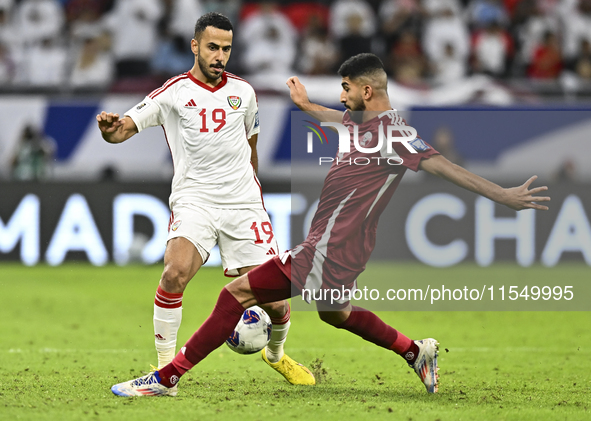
207 87
171 220
233 76
167 85
169 150
256 180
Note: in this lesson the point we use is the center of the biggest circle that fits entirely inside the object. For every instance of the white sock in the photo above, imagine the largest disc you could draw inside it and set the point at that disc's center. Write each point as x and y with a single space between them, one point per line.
167 322
274 350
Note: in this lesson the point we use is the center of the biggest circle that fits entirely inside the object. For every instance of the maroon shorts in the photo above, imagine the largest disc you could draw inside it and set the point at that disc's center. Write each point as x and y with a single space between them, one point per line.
303 269
311 270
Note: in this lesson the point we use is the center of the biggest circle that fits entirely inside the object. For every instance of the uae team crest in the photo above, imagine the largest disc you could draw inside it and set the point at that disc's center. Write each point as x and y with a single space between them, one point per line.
235 102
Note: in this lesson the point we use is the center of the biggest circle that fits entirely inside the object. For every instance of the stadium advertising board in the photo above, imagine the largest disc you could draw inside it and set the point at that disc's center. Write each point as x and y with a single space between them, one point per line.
442 225
430 222
104 222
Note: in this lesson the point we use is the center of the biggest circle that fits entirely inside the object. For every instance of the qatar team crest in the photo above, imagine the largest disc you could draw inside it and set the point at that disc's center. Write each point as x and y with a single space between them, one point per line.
366 139
234 101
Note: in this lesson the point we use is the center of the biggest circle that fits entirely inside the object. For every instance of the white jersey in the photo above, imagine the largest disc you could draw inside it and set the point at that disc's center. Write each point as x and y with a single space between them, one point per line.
207 130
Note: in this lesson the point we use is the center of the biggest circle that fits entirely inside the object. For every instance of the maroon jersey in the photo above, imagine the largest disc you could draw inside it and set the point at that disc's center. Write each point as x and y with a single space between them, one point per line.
355 193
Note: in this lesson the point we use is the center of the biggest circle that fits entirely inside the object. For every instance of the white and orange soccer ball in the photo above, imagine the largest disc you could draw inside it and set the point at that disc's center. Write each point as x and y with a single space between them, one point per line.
252 333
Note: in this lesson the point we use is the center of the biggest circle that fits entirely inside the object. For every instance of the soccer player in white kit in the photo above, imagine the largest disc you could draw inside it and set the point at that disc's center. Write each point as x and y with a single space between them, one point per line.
210 121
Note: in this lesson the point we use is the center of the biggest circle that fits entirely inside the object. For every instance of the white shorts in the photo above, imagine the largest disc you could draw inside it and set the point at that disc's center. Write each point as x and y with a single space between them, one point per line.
245 236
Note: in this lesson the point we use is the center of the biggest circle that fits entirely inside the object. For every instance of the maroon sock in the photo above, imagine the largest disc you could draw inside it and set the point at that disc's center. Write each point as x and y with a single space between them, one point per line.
211 335
371 328
169 375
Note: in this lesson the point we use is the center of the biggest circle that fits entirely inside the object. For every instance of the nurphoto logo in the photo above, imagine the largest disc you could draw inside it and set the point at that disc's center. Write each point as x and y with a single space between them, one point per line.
382 150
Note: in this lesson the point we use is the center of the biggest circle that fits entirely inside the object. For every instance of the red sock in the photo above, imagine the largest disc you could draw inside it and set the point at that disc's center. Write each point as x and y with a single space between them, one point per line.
211 335
168 299
284 319
371 328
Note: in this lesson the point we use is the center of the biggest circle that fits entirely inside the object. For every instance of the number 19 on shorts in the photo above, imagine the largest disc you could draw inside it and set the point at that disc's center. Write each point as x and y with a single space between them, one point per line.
266 229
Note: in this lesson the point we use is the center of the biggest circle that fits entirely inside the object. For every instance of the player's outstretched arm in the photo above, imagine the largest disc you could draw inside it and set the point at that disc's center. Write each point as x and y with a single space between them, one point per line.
115 129
518 198
299 96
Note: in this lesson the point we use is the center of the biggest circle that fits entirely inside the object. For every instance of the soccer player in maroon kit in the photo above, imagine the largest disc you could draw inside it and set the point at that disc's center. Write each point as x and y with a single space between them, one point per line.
342 234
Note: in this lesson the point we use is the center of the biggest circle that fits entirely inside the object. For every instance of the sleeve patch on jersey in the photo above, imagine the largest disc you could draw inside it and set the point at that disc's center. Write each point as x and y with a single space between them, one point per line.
141 107
256 120
419 145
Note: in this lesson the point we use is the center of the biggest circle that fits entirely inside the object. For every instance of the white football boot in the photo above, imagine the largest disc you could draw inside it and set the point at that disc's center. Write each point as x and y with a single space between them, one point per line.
148 385
426 364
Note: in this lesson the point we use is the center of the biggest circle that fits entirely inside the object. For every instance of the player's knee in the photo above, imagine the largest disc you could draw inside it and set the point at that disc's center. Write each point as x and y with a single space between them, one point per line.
276 309
175 278
240 289
334 318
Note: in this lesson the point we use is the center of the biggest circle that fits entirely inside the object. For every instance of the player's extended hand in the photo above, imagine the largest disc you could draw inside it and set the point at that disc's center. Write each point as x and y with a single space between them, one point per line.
109 122
297 91
522 197
115 129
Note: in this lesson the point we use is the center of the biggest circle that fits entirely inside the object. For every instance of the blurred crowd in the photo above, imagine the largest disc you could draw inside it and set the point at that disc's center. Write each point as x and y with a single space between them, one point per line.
123 45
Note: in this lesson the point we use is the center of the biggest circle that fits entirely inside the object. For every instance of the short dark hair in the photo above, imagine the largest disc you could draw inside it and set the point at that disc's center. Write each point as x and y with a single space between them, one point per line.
364 64
217 20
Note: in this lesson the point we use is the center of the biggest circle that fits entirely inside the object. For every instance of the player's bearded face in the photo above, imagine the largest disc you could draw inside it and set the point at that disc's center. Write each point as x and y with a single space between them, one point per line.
355 103
351 96
212 51
352 100
212 69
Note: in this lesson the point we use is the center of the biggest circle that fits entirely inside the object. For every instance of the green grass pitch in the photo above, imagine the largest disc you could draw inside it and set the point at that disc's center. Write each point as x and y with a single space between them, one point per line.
70 332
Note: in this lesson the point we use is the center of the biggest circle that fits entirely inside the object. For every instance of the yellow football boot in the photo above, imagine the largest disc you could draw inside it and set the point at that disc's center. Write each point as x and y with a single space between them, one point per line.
294 372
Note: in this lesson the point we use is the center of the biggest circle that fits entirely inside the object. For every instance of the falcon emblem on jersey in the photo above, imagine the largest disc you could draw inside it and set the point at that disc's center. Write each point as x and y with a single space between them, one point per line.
234 101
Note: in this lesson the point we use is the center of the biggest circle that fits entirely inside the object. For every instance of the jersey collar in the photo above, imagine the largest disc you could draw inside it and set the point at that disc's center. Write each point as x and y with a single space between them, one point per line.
207 87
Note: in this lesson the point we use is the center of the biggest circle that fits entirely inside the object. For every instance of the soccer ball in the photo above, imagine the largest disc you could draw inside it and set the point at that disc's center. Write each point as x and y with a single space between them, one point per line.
252 333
